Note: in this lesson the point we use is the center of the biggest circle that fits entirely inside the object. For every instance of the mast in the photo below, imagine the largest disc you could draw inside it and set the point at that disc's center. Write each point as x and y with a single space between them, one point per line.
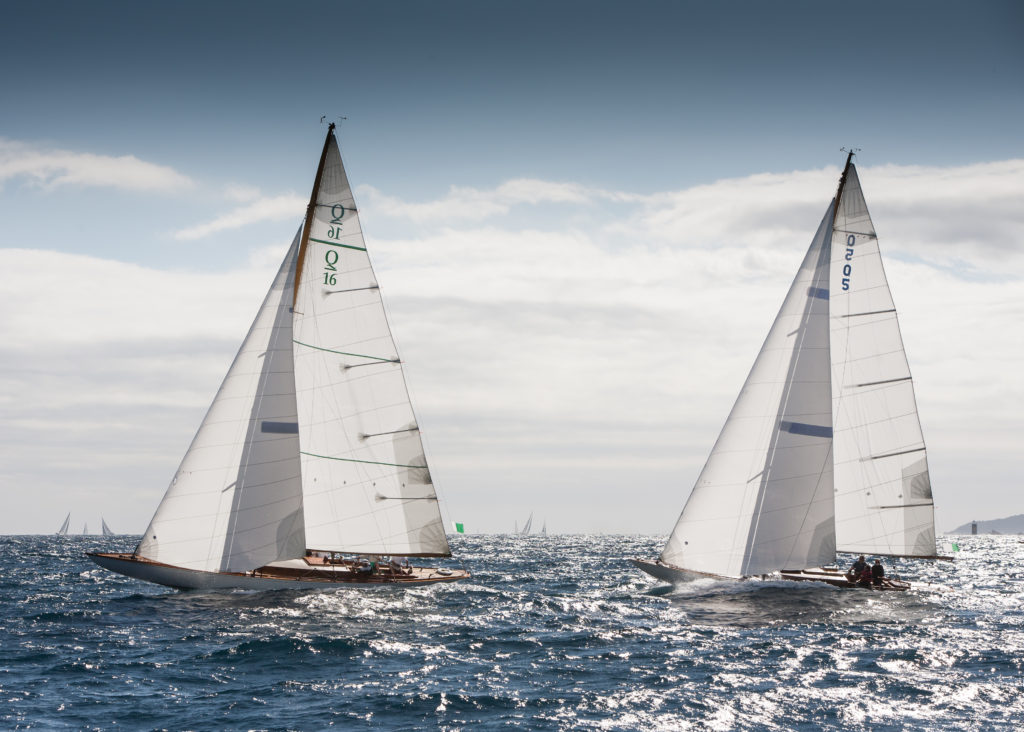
842 185
310 211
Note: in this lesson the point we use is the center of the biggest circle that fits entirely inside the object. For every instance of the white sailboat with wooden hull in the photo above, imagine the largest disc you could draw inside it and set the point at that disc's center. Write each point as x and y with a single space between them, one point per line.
308 469
823 450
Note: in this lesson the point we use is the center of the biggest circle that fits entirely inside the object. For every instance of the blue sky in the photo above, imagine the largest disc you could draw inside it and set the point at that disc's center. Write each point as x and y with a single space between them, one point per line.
154 158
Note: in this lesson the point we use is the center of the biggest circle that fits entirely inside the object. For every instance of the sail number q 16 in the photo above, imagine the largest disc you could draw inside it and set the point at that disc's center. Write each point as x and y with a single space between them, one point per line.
848 268
331 255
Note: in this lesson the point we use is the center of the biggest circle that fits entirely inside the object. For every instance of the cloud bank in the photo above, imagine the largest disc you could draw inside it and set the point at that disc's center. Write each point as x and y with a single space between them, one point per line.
565 346
264 208
52 168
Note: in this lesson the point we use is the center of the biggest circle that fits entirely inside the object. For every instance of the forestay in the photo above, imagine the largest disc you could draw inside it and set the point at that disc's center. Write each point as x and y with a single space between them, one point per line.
763 501
883 493
366 485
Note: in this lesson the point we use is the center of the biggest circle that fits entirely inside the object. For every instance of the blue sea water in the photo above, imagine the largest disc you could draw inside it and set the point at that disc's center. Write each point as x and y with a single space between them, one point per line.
550 633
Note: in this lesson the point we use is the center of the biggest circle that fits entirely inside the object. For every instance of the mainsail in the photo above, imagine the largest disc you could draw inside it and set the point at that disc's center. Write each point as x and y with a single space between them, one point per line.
365 482
883 493
63 530
763 501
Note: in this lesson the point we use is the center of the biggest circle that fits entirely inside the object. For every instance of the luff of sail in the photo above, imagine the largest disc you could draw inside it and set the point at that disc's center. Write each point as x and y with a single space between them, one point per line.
366 485
763 501
883 493
236 500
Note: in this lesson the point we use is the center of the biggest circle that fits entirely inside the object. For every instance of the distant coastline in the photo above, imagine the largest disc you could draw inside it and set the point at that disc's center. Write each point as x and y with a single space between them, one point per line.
1008 525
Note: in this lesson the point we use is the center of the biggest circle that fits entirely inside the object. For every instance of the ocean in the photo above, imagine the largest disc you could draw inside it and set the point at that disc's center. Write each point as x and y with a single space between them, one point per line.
551 633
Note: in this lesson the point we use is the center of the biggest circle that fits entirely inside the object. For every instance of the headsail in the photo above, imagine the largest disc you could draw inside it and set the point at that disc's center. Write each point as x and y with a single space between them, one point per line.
236 501
763 501
883 493
366 485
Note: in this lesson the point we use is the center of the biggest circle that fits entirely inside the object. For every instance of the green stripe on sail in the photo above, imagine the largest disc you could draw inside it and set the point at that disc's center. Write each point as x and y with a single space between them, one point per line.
365 462
337 244
343 353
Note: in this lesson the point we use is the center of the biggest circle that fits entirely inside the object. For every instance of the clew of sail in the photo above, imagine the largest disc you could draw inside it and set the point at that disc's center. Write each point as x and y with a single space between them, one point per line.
236 501
883 493
366 485
763 501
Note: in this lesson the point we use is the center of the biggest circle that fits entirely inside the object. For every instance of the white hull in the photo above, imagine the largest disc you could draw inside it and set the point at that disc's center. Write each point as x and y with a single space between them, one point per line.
314 578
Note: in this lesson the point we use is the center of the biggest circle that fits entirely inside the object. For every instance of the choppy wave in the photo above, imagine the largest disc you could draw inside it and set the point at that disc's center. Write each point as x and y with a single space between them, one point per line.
550 633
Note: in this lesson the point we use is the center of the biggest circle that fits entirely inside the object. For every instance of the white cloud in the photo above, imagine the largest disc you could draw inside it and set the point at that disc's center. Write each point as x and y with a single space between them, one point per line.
53 168
474 204
267 208
593 356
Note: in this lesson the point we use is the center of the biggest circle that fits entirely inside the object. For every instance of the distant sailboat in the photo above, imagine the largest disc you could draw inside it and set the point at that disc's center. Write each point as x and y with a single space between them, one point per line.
527 526
63 530
308 467
85 529
544 528
106 529
823 450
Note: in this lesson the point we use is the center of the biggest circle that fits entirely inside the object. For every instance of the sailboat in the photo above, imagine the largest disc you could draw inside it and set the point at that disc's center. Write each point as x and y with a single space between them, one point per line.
85 529
823 450
106 529
544 528
308 470
63 530
528 525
